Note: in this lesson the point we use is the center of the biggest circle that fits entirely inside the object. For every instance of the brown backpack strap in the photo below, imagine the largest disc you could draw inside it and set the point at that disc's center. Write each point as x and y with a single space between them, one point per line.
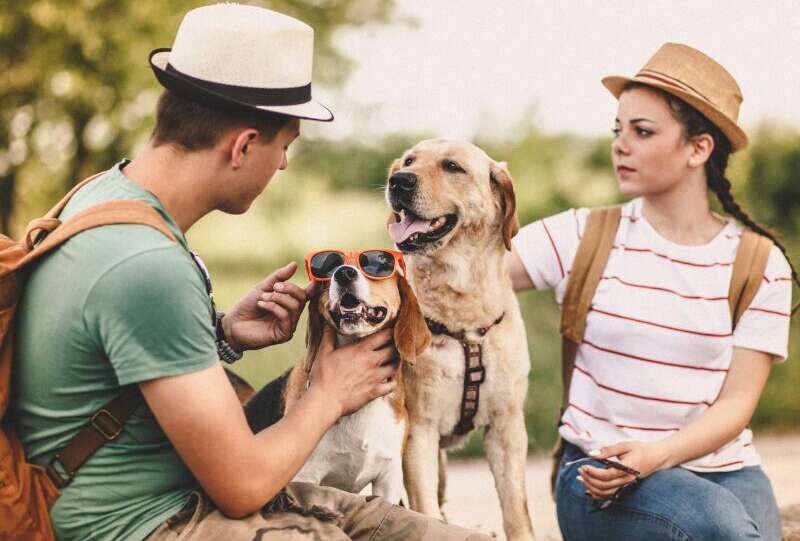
587 269
748 272
104 426
106 423
112 212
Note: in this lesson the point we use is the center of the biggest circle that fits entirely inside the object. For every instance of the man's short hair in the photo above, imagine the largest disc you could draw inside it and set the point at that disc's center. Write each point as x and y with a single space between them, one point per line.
193 126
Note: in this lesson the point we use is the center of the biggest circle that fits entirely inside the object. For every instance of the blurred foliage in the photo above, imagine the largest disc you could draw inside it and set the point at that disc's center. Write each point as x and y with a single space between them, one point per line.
76 92
774 192
76 96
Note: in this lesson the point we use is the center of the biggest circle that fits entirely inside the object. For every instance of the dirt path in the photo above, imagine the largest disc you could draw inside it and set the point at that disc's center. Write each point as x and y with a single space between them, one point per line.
472 500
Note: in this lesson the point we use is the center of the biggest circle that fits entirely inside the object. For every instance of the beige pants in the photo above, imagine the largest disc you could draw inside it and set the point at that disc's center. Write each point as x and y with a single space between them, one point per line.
319 514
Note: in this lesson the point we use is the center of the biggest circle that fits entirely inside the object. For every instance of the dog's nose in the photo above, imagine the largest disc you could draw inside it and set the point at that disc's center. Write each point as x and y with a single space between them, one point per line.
403 182
345 275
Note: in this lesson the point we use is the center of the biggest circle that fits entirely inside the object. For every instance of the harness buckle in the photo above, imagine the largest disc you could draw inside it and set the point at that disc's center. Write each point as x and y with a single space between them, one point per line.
476 374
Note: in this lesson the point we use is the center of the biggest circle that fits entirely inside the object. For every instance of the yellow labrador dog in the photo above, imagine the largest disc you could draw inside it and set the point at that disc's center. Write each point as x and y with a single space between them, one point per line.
454 214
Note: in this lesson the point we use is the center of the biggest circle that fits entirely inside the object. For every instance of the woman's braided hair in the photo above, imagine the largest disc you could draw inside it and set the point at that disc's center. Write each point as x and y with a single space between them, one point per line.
695 123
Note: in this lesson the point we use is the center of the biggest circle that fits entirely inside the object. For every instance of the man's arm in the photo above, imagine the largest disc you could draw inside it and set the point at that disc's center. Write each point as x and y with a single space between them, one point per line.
240 471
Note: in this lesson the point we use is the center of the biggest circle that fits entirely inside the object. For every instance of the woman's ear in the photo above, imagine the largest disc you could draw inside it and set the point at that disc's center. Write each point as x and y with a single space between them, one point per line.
702 147
501 181
314 330
411 333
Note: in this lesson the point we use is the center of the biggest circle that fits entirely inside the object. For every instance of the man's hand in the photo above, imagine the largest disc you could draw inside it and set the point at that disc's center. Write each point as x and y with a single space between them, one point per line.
268 314
352 375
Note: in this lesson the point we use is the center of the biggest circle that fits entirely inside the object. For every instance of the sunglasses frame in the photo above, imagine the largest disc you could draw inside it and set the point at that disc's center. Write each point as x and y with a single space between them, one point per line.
352 258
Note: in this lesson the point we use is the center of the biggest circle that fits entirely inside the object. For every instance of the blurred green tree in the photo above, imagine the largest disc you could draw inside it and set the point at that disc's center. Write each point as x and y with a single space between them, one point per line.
774 187
76 93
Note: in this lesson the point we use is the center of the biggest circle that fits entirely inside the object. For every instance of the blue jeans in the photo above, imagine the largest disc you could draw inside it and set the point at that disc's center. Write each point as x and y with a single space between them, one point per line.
674 504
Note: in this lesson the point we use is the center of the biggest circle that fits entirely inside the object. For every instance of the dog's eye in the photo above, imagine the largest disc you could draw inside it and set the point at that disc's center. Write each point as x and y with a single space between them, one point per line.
452 167
408 161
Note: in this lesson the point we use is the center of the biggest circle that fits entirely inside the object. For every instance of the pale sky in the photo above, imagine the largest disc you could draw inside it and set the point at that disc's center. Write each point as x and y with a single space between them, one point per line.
477 66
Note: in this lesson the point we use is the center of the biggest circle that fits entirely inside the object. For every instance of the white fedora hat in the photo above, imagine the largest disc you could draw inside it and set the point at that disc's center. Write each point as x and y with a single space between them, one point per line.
242 58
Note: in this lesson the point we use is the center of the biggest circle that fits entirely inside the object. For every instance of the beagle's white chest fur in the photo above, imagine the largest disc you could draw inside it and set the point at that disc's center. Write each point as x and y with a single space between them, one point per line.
362 448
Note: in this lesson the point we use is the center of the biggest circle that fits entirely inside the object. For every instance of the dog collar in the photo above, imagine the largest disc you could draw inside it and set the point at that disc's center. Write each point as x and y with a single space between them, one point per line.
440 328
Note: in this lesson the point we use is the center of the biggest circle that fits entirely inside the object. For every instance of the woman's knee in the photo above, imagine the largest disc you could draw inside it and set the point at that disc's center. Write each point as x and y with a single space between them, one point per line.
718 515
726 527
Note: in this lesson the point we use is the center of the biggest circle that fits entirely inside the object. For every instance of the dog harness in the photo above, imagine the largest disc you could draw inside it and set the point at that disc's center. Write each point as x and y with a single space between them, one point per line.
474 372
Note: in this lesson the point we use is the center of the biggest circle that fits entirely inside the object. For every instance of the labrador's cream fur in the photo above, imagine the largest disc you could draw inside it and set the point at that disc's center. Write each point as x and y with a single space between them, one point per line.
461 282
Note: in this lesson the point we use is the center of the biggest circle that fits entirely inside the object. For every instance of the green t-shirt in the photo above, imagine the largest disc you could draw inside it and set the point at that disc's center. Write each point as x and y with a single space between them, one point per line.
114 305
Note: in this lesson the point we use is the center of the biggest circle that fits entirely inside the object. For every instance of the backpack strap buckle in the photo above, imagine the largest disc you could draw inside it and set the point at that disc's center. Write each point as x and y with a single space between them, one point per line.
59 479
106 424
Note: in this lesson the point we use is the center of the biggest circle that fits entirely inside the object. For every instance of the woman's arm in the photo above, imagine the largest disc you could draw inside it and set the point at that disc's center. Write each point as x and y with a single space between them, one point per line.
520 280
720 424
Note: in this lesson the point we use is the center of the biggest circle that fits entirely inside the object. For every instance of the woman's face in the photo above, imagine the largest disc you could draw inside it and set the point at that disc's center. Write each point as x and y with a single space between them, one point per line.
649 152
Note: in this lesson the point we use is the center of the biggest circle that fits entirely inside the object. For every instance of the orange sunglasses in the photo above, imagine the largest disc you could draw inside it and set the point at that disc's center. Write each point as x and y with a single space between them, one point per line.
376 264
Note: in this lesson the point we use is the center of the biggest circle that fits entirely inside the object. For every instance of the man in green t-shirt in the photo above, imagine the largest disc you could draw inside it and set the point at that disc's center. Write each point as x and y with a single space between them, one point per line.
123 305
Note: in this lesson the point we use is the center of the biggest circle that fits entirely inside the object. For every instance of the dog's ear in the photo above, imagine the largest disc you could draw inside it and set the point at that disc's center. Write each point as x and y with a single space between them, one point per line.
411 333
501 180
314 330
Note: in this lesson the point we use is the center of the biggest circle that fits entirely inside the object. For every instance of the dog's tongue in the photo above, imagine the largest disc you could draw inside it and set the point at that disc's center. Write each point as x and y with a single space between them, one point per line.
400 231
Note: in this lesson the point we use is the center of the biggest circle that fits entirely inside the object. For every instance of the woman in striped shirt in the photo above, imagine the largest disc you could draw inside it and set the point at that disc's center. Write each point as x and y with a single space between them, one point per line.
662 383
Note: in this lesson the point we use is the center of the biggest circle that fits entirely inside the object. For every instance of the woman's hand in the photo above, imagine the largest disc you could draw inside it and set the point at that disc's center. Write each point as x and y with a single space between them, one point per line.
602 483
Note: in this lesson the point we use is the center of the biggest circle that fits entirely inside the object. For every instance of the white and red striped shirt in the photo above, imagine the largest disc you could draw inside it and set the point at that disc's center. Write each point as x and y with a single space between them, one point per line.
658 340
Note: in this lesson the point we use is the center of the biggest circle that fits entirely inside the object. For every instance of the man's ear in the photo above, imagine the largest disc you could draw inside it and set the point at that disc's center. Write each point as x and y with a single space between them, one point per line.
411 333
314 329
240 144
502 183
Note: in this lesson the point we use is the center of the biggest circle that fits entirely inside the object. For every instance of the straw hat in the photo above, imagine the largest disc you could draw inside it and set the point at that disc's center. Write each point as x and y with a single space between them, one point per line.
242 58
695 78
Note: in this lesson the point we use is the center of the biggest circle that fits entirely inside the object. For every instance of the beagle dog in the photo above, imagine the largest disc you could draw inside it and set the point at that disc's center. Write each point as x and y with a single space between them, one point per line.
453 217
367 292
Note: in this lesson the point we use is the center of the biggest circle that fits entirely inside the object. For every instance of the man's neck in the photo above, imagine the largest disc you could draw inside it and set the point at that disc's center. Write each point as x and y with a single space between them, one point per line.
182 181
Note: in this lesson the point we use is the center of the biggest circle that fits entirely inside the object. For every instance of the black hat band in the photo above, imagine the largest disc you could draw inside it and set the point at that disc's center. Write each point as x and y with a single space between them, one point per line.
250 95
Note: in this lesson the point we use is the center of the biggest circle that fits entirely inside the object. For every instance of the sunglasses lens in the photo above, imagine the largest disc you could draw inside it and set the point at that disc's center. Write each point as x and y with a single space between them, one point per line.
324 263
376 263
